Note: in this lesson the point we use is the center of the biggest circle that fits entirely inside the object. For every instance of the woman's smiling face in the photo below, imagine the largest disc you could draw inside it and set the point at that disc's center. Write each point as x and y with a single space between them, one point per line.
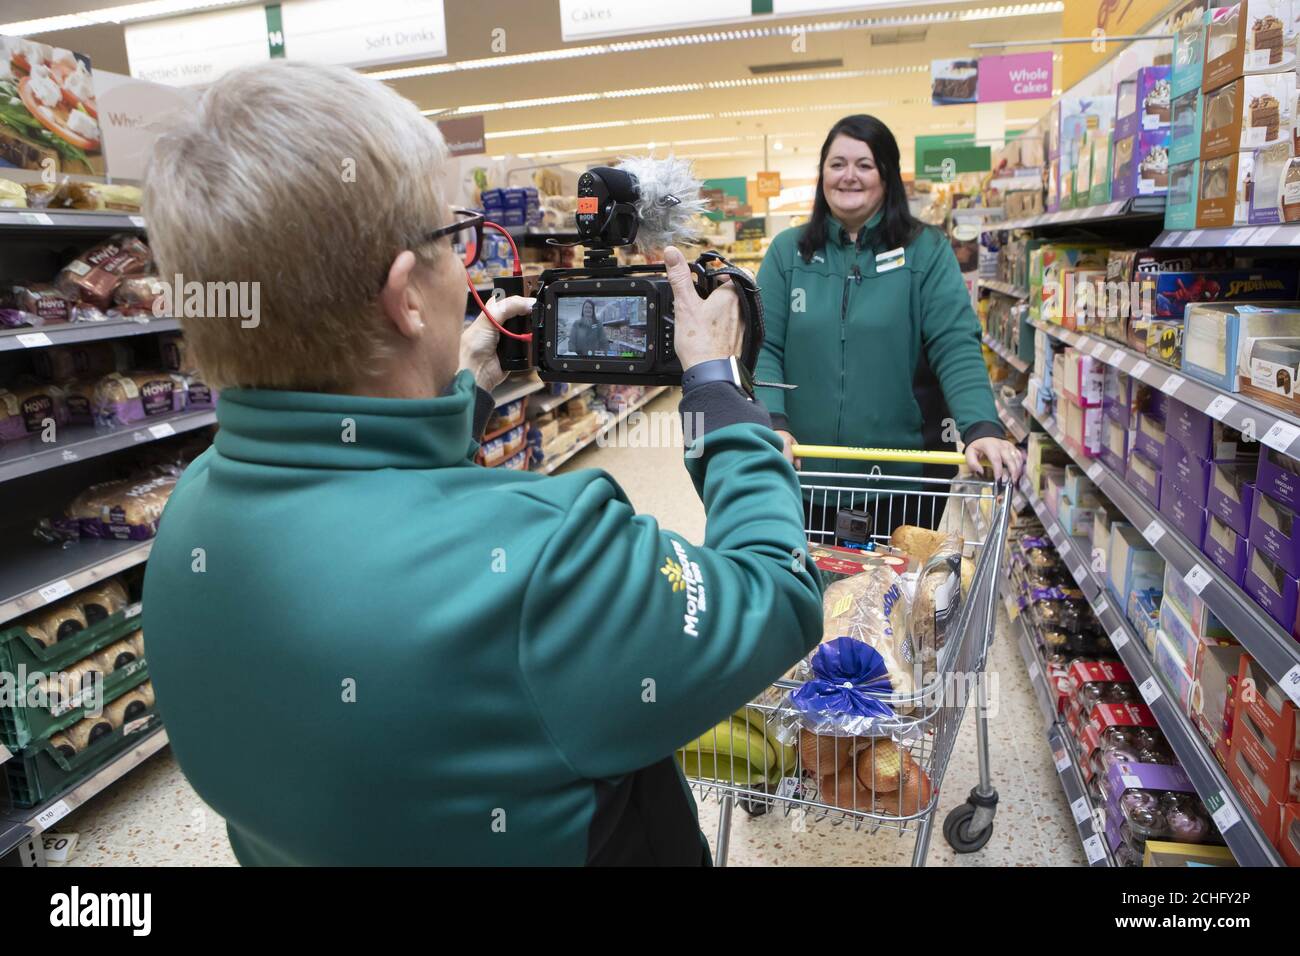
851 181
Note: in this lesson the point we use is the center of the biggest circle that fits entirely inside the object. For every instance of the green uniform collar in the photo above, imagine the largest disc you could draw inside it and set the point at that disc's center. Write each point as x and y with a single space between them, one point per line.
835 231
310 429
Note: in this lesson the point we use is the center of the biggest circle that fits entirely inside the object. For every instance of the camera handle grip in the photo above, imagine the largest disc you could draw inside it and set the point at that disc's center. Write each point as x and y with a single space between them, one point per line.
751 305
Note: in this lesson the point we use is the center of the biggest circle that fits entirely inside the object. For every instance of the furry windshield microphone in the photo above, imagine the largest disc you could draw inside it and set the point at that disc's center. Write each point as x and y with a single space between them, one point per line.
667 202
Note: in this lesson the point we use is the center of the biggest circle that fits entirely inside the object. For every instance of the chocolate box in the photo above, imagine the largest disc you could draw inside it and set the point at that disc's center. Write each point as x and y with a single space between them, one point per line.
1182 512
1248 113
1183 195
1185 127
1275 716
1271 588
1149 438
1225 548
1203 436
1278 477
1232 486
1274 530
1252 36
1224 198
1185 472
1143 474
1140 165
1214 335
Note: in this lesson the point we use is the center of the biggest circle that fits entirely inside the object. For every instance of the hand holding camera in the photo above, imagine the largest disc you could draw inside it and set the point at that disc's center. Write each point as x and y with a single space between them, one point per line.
706 328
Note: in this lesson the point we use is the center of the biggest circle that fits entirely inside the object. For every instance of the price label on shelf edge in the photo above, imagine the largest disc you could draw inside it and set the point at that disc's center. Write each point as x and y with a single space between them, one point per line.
36 219
1197 578
1062 761
1118 638
137 221
1220 407
1172 384
1140 368
1190 238
1240 237
1290 683
1116 357
1263 235
1093 849
162 431
1150 690
1281 436
52 815
1101 607
52 592
34 340
1080 810
1094 471
1153 532
1064 547
1226 816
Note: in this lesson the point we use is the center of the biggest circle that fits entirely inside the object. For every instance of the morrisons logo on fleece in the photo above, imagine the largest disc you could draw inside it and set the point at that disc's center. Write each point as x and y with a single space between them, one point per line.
684 575
75 909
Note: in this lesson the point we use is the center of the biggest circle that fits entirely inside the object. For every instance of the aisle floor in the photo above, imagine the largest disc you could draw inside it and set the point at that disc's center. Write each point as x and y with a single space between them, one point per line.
153 817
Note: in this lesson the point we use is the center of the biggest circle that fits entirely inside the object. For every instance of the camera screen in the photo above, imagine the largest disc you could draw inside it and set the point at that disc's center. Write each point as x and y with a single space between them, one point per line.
601 326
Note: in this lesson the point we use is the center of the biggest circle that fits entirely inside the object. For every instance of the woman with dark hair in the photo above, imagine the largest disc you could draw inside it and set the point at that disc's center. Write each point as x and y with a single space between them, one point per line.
588 335
868 316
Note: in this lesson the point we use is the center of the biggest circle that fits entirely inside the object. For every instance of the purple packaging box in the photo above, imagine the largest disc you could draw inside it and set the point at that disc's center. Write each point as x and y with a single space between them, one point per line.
1225 548
1149 96
1187 516
1145 776
1115 460
1185 471
1231 492
1278 477
1200 434
1149 436
1141 164
1271 588
1144 475
1273 529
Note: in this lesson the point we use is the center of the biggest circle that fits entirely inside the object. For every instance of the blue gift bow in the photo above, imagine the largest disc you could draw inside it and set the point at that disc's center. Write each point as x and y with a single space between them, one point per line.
849 675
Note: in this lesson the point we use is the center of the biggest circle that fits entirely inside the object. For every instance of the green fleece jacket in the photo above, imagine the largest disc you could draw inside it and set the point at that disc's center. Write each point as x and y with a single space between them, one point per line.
368 649
852 327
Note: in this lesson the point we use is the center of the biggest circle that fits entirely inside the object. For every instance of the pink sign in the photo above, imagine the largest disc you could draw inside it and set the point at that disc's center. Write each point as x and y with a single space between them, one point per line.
1021 76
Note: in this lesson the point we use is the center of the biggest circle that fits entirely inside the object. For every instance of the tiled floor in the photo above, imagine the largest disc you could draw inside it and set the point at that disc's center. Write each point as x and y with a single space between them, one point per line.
152 817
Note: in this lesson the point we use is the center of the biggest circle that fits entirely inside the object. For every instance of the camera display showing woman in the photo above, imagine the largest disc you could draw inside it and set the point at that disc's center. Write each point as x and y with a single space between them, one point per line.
587 337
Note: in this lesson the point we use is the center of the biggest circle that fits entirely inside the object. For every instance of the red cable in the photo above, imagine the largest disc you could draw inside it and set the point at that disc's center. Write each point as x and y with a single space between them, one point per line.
519 271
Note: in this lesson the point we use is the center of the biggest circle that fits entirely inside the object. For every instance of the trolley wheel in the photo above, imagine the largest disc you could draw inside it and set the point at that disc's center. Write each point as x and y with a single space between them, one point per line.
956 830
755 808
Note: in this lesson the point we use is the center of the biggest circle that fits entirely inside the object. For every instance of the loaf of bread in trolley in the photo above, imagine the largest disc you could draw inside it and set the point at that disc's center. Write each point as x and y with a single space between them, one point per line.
28 409
937 601
872 607
127 510
122 398
103 600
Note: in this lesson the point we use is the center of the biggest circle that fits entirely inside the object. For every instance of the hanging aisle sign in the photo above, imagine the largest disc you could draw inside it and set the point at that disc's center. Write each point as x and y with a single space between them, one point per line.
190 50
1022 76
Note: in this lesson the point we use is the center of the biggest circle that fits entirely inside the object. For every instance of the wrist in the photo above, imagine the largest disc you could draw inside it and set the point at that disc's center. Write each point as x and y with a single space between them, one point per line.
726 370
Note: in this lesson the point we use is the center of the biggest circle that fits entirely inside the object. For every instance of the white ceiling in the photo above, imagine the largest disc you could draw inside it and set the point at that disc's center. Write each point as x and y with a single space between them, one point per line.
902 101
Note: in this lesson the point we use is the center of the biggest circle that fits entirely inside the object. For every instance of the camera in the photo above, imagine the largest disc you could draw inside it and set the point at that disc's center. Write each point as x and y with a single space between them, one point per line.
607 323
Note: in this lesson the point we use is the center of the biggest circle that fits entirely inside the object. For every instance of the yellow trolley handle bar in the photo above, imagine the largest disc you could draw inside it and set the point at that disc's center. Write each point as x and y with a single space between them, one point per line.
879 454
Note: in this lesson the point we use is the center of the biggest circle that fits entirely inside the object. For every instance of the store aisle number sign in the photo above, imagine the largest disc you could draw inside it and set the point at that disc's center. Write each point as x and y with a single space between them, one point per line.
196 49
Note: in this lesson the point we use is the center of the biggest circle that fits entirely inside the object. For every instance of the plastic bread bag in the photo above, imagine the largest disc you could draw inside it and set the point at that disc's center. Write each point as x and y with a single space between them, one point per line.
937 602
848 691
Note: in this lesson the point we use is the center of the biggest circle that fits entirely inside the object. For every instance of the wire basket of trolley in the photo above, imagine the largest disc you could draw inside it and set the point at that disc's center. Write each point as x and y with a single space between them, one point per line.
860 731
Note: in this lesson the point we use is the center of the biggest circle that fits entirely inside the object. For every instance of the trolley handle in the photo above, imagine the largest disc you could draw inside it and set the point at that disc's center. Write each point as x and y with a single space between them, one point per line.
916 456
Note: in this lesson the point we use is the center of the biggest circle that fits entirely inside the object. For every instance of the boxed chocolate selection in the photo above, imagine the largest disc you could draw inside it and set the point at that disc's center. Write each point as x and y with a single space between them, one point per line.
1248 113
1271 164
1185 127
1224 198
1252 36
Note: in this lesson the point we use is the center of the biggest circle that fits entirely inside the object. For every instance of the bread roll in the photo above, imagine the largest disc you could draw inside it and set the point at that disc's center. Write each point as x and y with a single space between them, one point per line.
55 623
102 601
128 707
920 543
879 764
85 732
145 690
116 656
136 640
823 754
64 746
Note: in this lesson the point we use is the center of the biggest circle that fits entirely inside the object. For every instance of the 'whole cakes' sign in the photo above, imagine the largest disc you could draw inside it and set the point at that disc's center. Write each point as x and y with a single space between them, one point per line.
1022 76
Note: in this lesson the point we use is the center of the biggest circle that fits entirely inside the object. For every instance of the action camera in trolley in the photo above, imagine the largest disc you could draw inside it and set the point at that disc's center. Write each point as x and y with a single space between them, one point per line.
608 323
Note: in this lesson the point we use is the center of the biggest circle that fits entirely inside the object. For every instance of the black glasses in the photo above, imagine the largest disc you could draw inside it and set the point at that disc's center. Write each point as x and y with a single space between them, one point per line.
471 246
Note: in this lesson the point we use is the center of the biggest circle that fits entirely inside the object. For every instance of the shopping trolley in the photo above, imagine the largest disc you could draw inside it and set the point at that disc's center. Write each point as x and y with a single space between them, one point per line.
756 759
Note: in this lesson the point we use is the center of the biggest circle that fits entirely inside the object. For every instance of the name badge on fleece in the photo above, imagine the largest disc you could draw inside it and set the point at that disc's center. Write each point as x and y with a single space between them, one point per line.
893 259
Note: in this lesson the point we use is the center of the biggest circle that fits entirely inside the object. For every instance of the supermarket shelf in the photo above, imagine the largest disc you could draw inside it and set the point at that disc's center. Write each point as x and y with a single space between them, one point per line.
1144 207
1244 837
1008 356
1006 288
34 573
1014 425
69 332
68 220
1256 237
551 464
78 442
1278 430
39 819
1067 770
516 386
543 405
